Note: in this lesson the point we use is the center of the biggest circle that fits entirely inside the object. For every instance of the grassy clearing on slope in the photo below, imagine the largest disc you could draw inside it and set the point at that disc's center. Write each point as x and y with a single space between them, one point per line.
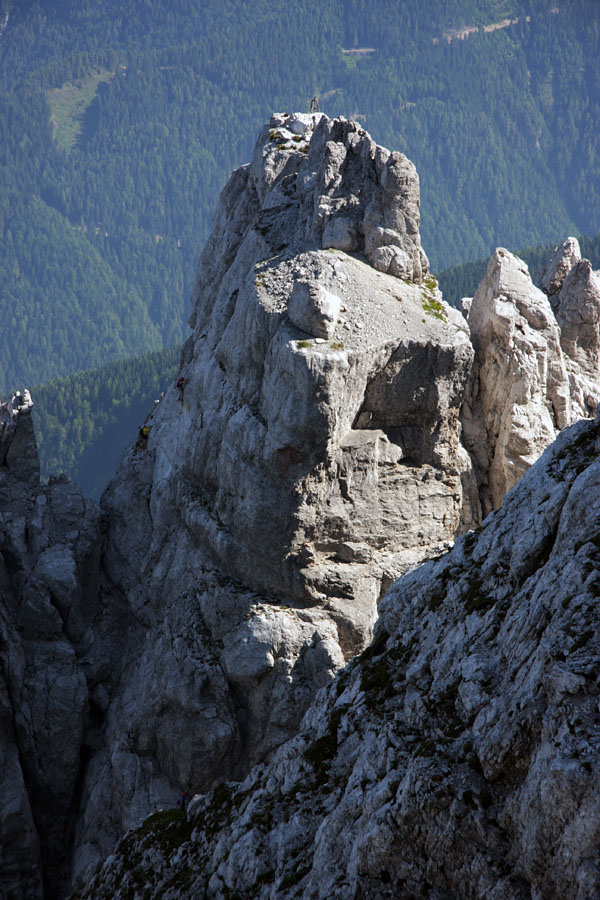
68 105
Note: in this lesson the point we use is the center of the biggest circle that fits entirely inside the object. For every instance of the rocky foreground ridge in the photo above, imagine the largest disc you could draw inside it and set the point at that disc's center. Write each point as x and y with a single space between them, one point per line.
458 756
334 421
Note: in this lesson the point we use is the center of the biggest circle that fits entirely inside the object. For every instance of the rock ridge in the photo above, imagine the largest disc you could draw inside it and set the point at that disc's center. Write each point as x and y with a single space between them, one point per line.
536 363
333 412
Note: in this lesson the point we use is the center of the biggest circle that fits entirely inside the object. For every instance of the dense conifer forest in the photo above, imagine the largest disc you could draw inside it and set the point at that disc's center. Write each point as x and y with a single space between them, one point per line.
84 422
122 119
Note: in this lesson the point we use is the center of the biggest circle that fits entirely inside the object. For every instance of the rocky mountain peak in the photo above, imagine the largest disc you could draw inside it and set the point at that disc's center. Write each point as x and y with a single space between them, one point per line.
334 422
536 363
565 256
316 183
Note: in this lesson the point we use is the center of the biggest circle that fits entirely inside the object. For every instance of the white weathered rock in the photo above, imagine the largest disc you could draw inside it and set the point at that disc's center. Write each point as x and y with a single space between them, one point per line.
313 309
520 396
574 292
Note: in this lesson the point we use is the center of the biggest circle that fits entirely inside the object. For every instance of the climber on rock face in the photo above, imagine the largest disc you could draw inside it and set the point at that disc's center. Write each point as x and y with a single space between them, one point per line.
180 386
182 802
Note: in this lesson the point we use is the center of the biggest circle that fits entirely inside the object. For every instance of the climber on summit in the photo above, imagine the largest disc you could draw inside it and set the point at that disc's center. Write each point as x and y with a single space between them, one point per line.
314 104
182 802
180 386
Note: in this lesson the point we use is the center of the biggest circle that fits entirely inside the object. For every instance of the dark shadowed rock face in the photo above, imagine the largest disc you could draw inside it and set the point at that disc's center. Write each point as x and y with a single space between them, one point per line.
57 649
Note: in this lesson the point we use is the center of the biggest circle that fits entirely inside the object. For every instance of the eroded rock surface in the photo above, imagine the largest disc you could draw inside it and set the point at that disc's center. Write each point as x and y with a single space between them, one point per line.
315 437
457 757
536 363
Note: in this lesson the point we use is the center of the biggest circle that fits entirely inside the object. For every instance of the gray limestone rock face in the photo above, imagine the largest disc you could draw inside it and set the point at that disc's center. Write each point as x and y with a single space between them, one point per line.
522 392
574 292
334 421
313 183
316 439
457 757
577 309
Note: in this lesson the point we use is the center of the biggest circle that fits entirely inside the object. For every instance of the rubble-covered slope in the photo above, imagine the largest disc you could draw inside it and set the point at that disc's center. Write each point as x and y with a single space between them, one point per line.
457 757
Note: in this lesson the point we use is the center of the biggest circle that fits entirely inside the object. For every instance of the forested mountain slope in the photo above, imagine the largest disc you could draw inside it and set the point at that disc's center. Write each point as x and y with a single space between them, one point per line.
84 422
120 122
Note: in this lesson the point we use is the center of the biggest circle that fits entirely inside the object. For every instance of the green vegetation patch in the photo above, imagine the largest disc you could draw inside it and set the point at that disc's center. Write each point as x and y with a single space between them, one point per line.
169 828
68 104
84 422
376 677
434 308
226 798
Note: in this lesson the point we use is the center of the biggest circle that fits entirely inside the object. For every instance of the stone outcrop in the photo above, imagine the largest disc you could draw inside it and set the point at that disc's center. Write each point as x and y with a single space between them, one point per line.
574 292
457 757
316 438
565 256
536 363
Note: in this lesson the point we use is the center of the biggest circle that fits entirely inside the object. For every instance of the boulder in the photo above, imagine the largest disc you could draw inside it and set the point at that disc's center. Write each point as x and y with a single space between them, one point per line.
313 309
